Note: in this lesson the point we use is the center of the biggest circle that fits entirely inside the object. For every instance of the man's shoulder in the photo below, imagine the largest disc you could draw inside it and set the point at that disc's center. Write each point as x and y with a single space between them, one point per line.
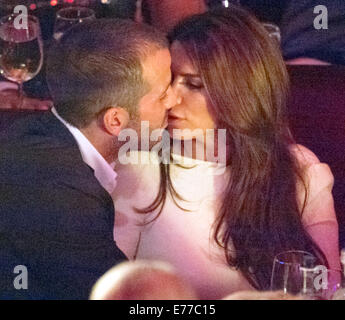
19 127
38 150
11 118
34 136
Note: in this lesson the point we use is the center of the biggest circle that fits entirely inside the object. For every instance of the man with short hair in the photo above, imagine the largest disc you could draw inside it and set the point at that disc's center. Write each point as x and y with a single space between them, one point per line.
56 168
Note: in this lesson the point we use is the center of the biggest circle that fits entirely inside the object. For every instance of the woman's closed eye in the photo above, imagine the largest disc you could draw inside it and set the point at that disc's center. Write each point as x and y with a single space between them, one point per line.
193 85
192 82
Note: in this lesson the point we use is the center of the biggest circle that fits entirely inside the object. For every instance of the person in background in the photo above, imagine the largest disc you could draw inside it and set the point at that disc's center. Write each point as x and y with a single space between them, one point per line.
165 14
142 280
220 222
302 43
157 280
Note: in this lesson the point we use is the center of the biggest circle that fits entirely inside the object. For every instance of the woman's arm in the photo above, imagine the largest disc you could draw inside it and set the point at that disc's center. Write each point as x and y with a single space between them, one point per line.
319 217
325 234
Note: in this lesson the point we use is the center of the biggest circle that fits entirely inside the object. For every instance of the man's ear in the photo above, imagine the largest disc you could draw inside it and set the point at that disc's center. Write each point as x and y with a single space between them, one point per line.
115 119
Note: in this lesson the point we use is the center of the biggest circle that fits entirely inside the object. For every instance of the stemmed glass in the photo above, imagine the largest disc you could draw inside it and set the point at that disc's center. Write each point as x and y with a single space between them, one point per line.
21 49
68 17
296 272
293 273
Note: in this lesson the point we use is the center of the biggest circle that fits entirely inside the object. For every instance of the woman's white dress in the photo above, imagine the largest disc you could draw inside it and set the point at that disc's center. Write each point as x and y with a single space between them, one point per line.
185 238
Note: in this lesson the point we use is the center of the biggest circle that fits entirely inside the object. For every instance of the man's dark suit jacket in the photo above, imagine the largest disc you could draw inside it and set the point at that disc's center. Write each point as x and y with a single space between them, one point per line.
55 218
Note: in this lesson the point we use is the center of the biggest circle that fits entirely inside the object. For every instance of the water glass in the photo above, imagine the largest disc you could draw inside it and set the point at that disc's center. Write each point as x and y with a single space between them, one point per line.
68 17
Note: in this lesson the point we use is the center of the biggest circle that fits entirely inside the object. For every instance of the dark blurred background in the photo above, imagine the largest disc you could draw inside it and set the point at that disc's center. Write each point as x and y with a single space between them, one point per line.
295 19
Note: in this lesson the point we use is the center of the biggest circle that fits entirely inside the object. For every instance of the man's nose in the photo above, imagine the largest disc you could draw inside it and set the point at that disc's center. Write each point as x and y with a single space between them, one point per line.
174 98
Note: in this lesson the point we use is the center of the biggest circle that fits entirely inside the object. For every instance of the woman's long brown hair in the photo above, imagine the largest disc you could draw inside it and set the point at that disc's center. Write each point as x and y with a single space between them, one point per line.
247 83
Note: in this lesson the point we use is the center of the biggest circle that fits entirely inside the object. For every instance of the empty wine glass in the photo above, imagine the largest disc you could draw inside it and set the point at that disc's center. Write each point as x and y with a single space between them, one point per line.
21 49
293 273
68 17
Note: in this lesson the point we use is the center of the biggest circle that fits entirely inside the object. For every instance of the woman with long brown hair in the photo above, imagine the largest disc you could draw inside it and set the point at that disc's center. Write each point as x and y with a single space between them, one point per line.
221 220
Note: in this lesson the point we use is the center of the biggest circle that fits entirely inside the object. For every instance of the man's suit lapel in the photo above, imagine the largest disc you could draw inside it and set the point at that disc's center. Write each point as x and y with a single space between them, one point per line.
82 176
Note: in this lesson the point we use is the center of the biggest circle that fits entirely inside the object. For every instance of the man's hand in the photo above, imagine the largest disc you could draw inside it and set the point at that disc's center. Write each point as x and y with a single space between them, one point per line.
9 99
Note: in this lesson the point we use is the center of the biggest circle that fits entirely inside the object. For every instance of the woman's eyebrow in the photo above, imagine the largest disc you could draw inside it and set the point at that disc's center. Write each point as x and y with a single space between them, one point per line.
190 75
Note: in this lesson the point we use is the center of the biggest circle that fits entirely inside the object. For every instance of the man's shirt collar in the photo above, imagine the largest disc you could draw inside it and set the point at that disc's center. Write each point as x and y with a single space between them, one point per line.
104 172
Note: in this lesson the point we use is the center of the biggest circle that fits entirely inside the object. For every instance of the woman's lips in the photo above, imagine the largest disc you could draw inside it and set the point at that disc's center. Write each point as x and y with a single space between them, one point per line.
173 118
174 123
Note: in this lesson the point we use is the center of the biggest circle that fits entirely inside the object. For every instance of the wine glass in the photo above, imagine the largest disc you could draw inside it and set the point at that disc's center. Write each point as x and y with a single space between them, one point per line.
325 284
68 17
21 50
294 273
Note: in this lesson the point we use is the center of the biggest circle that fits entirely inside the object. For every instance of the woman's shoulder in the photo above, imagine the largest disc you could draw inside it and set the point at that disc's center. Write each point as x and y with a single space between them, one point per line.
318 174
318 181
304 156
